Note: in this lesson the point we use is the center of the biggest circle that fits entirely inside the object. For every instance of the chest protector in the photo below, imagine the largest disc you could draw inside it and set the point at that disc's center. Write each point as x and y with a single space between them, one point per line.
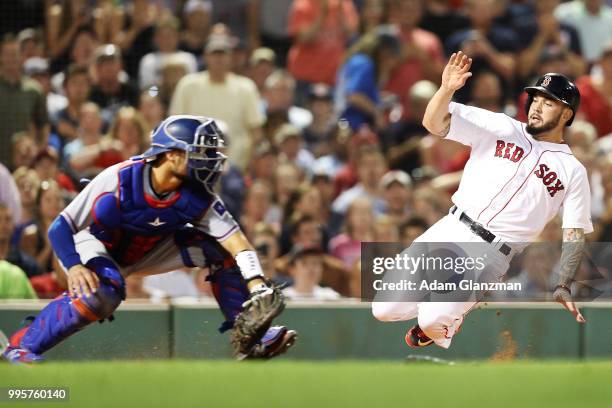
132 222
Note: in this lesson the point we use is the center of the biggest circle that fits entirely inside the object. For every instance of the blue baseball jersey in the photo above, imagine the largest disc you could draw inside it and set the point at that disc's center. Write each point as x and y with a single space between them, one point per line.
122 210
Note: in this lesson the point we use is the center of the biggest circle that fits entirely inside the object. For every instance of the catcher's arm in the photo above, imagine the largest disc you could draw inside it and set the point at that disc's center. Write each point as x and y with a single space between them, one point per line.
243 252
571 256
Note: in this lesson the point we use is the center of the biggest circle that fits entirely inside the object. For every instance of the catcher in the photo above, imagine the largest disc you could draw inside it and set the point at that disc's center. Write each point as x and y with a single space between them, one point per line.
155 213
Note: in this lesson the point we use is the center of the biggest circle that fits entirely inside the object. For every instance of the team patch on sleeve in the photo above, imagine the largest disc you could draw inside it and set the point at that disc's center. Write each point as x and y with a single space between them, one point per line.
219 208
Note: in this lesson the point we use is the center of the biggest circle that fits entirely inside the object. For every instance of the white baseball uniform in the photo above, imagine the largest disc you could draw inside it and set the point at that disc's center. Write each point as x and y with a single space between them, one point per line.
513 185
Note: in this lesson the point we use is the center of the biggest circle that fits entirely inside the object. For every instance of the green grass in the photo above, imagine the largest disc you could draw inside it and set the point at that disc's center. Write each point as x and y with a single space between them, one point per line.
319 384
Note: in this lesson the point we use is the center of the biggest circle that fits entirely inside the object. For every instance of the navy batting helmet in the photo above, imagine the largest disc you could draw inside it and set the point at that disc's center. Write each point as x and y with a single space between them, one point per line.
199 137
555 86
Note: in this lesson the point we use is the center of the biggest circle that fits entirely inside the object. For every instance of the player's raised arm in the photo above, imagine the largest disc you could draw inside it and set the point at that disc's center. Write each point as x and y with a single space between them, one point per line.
571 256
456 72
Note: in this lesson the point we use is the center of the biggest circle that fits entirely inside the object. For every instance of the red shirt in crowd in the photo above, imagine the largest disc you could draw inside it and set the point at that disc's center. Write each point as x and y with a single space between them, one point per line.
411 70
594 106
319 59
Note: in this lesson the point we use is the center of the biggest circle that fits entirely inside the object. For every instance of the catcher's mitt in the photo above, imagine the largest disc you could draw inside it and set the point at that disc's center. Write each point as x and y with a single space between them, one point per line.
252 323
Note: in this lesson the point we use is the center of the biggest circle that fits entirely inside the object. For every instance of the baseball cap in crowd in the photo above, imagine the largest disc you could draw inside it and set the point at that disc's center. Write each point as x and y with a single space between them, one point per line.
299 251
285 132
552 53
197 5
27 34
319 92
220 42
395 176
262 54
35 66
107 52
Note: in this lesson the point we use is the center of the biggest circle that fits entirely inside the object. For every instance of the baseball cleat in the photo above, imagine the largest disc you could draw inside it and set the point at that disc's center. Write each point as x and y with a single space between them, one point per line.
416 338
276 341
15 355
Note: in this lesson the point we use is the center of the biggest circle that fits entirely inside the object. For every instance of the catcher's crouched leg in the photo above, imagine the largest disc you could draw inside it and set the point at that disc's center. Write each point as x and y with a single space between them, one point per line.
252 335
64 315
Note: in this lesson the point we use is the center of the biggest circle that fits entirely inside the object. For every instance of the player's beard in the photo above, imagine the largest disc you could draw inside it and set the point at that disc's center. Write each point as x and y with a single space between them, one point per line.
536 131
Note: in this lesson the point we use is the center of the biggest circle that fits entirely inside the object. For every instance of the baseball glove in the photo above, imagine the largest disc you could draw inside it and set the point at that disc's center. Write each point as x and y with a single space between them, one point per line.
253 322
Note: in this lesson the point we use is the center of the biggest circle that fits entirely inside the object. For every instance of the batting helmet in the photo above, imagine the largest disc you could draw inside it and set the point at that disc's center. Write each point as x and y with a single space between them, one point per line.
199 137
558 87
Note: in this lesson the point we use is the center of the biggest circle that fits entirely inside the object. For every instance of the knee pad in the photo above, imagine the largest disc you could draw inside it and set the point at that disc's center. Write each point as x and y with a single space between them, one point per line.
111 292
64 315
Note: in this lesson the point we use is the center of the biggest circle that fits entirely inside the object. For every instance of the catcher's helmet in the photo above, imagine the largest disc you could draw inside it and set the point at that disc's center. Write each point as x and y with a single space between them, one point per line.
199 137
558 87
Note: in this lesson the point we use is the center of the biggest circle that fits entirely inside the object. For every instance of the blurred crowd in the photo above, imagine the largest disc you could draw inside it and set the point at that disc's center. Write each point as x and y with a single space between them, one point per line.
321 102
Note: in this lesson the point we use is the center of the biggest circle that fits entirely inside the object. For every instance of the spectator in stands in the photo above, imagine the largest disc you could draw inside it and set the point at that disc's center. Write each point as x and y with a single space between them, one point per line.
274 26
486 92
346 154
110 93
402 140
369 62
320 31
64 21
371 168
24 149
31 44
261 64
385 229
265 242
38 69
10 252
27 183
411 229
196 17
290 142
397 193
81 52
22 105
278 100
538 29
76 88
443 18
241 17
130 129
172 71
491 46
166 43
107 21
135 39
358 227
151 107
306 269
318 135
219 93
46 166
9 194
34 240
89 153
259 207
287 178
593 21
422 52
596 94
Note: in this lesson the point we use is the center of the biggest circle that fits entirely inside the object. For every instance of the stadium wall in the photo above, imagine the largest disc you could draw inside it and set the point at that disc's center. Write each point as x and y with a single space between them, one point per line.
344 330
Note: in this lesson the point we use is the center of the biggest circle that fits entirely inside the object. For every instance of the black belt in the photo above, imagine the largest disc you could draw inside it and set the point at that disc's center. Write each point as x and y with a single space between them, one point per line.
481 231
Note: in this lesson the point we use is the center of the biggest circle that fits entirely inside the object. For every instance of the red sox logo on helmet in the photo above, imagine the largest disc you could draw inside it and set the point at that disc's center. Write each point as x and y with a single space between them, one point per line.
546 81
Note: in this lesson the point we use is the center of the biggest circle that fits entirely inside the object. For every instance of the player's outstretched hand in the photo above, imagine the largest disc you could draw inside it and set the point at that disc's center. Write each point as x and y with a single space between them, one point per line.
456 71
82 281
563 296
